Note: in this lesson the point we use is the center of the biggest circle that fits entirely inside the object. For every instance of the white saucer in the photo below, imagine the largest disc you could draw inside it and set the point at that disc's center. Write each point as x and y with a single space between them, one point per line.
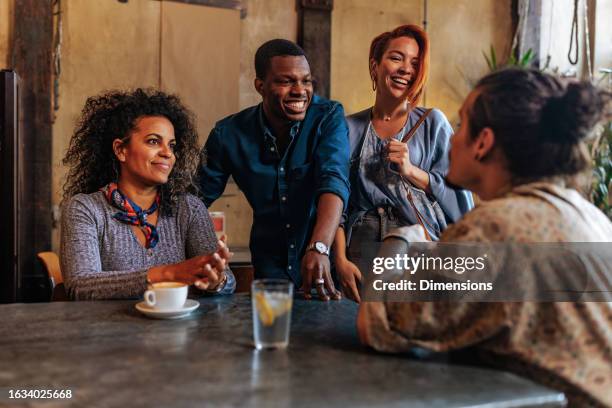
189 306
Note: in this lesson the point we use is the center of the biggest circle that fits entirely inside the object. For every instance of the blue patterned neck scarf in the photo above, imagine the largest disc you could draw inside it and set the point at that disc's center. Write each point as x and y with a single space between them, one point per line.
131 213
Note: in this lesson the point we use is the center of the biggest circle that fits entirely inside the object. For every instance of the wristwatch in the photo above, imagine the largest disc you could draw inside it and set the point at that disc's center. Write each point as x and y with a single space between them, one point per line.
220 286
319 247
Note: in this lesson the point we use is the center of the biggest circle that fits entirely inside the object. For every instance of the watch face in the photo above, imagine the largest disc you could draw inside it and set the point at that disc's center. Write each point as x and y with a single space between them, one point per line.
321 247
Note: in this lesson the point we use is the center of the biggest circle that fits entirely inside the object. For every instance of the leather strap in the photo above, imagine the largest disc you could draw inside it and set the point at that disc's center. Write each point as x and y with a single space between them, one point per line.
405 139
416 126
419 216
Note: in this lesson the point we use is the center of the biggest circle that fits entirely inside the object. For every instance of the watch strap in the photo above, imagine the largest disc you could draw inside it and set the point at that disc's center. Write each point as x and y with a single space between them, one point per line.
313 247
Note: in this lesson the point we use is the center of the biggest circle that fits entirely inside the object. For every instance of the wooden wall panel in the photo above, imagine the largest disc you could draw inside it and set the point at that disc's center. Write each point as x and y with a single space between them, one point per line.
315 38
31 54
201 63
200 59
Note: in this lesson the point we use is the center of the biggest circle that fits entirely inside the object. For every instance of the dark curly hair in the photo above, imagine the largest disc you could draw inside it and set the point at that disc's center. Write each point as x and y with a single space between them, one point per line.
113 114
539 121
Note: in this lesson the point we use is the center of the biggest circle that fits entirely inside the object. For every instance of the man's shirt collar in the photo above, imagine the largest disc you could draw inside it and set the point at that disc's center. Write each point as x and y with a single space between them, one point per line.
267 132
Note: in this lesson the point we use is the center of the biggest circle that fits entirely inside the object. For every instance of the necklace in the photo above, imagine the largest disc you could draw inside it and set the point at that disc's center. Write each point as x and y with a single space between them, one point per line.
386 118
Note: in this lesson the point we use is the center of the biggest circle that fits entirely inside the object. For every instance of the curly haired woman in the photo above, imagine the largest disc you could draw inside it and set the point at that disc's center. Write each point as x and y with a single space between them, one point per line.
130 215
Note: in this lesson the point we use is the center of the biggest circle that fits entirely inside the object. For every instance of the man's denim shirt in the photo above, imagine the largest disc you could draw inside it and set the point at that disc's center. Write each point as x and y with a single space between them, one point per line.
283 191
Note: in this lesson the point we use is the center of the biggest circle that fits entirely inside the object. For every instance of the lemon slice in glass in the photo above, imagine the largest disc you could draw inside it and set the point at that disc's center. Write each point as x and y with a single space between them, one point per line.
265 312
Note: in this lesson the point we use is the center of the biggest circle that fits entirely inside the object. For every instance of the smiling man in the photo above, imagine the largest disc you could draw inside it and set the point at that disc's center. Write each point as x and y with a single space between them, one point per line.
289 155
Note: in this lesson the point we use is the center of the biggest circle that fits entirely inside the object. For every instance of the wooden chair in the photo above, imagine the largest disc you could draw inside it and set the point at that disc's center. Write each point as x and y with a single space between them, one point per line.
242 271
244 276
50 261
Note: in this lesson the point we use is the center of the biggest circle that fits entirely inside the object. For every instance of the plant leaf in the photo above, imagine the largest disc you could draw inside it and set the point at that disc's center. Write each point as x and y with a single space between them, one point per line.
603 190
488 61
527 57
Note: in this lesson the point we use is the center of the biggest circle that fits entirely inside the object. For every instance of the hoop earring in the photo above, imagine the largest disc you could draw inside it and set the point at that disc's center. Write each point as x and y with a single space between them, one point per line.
373 85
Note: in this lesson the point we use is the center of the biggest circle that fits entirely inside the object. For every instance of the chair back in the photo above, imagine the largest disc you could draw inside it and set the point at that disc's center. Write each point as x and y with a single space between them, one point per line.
51 263
244 276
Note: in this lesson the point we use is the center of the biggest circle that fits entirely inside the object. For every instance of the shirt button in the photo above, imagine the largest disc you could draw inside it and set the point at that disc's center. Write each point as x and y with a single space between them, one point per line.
282 169
289 267
284 198
288 225
271 149
291 246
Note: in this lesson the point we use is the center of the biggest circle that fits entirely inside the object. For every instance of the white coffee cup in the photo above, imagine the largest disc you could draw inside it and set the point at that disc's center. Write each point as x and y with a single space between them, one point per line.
166 296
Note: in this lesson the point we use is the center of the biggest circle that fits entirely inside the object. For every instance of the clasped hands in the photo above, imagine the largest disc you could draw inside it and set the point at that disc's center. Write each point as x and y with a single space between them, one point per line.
205 272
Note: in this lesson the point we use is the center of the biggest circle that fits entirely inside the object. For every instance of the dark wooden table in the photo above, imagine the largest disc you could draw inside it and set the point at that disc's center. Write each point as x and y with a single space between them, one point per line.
108 354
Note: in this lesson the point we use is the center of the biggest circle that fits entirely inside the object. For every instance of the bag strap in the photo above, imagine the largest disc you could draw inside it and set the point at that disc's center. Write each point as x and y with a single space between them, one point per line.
405 139
418 215
416 126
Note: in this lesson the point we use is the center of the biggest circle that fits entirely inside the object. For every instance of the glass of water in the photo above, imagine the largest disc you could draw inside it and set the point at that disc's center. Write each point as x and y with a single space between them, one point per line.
272 300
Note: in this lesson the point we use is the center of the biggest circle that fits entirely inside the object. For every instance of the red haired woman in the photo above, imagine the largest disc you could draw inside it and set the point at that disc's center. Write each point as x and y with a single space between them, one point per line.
399 157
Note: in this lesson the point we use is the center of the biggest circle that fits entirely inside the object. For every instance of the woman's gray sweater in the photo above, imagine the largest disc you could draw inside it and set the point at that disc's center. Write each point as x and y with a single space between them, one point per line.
102 259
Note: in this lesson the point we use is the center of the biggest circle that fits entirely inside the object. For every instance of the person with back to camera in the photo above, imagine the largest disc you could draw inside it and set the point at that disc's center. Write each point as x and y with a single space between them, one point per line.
519 147
399 156
130 214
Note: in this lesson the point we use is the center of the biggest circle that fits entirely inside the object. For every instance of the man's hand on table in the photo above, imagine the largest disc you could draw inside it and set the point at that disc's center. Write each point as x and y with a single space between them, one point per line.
315 266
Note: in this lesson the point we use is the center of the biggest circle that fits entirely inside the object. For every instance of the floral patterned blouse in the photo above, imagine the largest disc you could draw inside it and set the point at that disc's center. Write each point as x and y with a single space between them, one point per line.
566 346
